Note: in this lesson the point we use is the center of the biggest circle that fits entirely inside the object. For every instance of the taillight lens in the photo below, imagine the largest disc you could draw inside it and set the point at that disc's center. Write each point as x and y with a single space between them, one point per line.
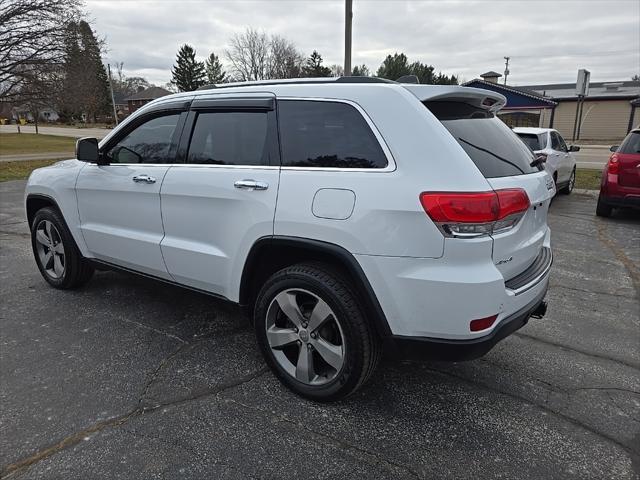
482 323
473 214
613 167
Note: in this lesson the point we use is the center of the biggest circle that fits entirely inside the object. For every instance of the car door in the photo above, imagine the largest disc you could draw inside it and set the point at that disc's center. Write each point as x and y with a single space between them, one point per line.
566 163
119 199
223 198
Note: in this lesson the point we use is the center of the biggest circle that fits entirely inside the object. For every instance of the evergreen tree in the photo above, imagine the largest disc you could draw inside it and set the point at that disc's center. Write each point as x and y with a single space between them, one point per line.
96 95
313 67
85 85
188 74
215 73
397 65
360 71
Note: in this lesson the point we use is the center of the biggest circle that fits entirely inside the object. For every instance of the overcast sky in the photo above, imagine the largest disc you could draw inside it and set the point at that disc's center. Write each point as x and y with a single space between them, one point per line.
548 41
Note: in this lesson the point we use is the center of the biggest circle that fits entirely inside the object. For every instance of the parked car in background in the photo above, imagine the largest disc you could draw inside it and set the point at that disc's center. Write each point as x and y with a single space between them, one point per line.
558 159
620 185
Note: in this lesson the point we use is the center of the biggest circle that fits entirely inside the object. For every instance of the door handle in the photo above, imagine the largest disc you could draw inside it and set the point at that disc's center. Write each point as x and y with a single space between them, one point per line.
250 185
144 179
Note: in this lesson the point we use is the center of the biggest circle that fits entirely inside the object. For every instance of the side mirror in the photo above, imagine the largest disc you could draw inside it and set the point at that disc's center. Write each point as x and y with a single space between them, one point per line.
87 150
574 148
614 148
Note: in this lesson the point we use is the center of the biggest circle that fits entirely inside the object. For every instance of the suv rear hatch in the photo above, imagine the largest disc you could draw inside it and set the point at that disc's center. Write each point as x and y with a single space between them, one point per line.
506 162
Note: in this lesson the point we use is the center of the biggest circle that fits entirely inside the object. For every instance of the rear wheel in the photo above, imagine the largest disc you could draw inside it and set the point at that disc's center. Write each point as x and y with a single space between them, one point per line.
313 334
602 209
56 253
572 183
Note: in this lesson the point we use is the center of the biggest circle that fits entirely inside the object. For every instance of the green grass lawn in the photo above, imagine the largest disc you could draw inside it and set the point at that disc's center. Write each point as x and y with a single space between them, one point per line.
588 179
20 170
19 143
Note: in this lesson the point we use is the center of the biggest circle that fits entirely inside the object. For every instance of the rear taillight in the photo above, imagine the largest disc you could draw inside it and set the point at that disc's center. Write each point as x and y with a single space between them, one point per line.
473 214
613 166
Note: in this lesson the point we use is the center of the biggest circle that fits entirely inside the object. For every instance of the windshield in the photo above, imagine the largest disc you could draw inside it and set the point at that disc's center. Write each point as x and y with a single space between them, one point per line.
493 147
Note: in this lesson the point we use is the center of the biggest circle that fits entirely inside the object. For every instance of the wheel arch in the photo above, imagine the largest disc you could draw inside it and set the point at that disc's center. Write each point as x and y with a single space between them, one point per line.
38 201
270 254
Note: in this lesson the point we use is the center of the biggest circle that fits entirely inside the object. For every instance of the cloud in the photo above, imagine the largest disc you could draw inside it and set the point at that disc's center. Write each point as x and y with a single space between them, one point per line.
548 41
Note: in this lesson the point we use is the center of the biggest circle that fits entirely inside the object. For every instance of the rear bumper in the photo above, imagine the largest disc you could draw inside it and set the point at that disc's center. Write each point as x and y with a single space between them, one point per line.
630 201
425 348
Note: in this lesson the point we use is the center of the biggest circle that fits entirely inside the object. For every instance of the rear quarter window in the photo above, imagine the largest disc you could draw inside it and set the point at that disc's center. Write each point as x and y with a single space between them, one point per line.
326 134
491 145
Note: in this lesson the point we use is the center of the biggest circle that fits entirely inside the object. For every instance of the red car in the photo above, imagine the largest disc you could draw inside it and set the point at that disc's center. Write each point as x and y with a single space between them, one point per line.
620 185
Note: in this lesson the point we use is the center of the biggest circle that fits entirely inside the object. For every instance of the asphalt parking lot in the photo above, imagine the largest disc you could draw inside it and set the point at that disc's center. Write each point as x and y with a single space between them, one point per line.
129 378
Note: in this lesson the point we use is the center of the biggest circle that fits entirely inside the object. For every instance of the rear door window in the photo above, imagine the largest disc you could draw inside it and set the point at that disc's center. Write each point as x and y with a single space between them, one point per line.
326 134
493 147
229 138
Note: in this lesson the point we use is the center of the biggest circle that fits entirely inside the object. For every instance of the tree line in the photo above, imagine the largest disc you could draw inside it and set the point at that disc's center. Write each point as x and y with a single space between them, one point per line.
50 57
254 55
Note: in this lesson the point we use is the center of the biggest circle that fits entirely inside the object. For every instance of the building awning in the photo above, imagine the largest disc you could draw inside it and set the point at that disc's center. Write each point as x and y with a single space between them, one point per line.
517 98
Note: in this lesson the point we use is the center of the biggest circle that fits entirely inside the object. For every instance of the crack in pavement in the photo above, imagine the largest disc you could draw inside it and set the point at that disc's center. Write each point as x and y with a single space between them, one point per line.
631 267
567 418
595 292
362 454
577 350
140 409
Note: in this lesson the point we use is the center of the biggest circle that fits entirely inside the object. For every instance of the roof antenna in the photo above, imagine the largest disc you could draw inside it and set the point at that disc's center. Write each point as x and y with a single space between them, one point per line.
408 79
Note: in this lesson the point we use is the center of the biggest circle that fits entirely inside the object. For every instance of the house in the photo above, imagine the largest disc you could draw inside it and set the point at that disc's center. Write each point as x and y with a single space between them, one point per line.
143 97
120 102
609 111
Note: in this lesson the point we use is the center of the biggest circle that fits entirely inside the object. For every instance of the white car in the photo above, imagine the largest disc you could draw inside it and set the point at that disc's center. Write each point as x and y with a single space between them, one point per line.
346 215
558 158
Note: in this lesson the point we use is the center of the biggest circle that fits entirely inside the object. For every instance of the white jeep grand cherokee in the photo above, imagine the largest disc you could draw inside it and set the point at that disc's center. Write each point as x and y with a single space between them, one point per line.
347 215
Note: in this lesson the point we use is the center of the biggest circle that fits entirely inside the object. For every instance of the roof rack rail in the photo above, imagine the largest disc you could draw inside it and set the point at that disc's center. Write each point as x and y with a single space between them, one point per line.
300 82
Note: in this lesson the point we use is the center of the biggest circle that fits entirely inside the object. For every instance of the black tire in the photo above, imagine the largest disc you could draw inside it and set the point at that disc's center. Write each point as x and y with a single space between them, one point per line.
572 181
602 209
76 270
361 346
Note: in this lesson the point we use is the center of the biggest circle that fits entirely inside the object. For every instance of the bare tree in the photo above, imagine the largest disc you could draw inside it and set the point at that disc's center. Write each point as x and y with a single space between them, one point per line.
254 55
249 55
32 44
285 61
336 70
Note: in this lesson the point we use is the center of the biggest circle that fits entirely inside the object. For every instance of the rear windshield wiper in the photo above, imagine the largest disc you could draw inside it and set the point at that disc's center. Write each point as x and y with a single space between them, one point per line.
493 155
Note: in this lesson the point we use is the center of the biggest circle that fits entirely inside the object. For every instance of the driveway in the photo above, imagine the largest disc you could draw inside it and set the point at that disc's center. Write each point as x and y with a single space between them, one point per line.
130 378
58 131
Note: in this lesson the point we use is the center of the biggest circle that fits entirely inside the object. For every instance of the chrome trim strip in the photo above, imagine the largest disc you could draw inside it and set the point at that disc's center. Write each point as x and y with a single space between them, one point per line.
535 281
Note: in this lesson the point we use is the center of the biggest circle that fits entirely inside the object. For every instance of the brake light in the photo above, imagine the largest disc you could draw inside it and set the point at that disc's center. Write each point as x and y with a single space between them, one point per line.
613 167
473 214
482 323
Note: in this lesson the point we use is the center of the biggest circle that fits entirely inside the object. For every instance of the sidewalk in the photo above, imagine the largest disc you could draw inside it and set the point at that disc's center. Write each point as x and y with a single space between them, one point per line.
36 156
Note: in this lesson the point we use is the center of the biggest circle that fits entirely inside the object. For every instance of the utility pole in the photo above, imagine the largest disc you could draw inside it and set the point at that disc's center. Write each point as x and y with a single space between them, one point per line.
113 101
348 16
506 69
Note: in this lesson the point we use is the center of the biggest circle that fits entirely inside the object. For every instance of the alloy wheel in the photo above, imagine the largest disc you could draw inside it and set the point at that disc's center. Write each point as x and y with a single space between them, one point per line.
305 336
50 249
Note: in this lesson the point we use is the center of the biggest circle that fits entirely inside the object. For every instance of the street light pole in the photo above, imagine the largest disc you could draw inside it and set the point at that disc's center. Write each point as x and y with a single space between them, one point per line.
348 16
113 101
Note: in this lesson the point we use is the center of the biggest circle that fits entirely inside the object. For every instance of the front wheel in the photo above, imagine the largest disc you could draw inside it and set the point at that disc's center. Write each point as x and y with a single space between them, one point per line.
56 253
572 183
313 334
